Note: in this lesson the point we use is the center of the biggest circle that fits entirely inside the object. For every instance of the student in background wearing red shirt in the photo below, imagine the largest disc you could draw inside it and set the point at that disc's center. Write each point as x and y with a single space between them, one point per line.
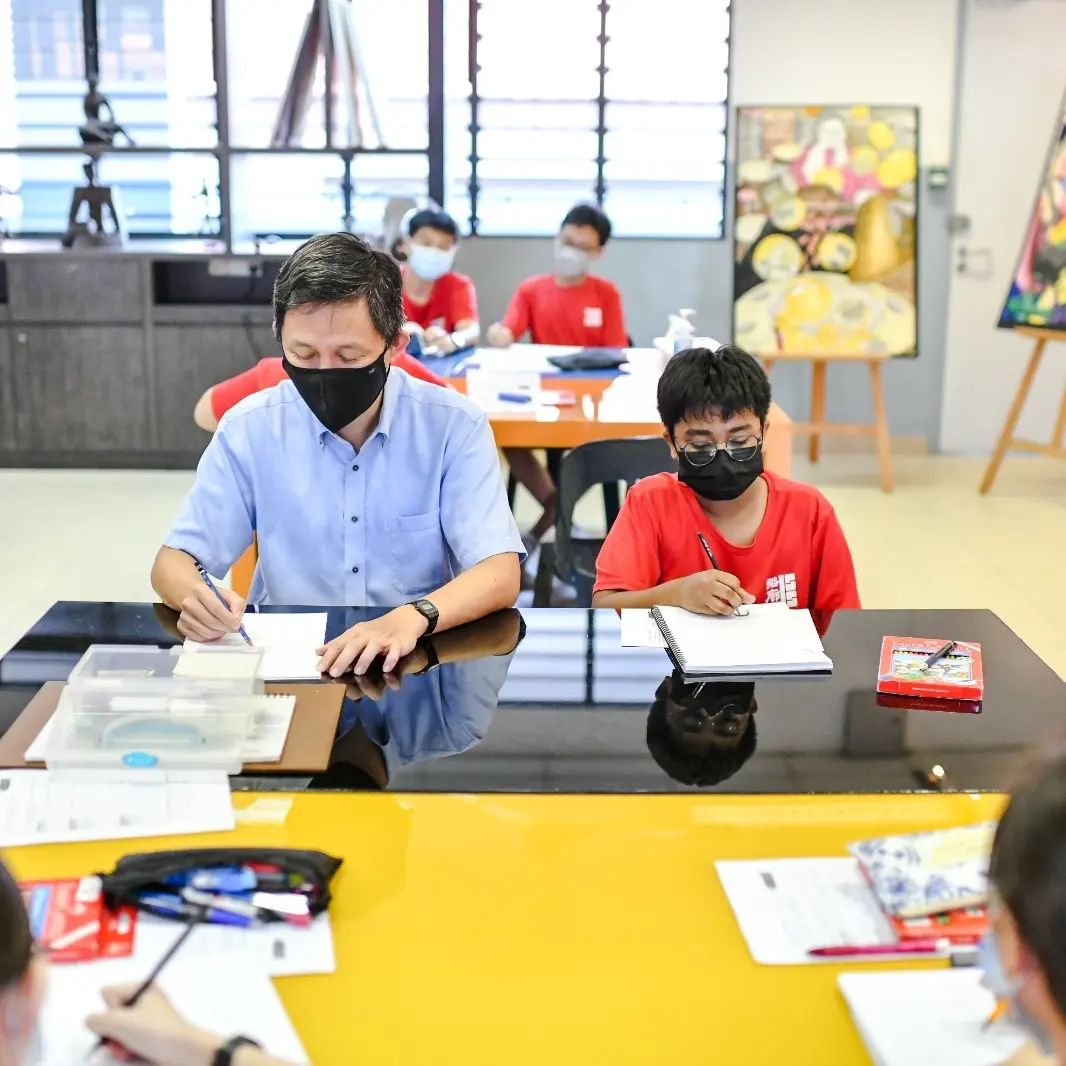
267 373
440 304
774 540
568 306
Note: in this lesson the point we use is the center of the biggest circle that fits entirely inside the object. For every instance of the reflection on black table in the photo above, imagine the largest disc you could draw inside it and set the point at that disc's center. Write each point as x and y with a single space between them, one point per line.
440 702
567 709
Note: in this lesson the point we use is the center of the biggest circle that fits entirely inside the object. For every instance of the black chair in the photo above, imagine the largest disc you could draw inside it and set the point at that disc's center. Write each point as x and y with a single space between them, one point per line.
600 462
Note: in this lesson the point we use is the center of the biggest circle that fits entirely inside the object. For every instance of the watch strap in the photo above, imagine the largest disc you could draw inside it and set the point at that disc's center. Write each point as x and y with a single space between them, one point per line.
224 1055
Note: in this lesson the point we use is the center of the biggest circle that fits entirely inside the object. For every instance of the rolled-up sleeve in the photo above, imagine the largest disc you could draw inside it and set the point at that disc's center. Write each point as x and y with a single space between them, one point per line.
474 515
217 518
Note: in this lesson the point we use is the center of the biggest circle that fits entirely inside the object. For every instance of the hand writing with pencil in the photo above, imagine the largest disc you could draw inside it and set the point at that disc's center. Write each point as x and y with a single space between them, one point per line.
711 592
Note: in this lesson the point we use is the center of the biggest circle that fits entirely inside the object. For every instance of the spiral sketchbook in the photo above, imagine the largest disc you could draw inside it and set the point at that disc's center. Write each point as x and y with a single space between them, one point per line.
769 639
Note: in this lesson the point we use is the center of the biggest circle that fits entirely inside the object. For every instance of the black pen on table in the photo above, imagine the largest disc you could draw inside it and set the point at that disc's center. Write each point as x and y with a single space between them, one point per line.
149 980
939 654
211 585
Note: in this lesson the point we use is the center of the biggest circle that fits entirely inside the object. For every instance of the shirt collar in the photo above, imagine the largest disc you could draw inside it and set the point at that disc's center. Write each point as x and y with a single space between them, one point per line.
393 386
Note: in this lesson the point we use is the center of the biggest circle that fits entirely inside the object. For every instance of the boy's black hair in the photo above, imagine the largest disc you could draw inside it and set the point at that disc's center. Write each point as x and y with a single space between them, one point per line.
16 941
1029 869
699 382
705 768
589 215
430 218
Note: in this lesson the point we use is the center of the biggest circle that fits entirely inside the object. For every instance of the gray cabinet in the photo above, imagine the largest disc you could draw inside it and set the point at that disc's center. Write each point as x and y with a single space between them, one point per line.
190 359
7 393
80 389
61 289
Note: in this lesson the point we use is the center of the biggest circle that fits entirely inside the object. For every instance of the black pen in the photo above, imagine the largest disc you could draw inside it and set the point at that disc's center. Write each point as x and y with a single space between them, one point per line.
211 585
149 980
947 649
714 564
707 549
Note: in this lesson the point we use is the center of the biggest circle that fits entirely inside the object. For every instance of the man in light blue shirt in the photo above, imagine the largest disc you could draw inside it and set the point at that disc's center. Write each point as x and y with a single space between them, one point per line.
362 485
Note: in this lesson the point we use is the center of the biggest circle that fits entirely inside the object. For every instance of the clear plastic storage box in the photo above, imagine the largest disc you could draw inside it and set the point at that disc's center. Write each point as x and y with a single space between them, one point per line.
147 708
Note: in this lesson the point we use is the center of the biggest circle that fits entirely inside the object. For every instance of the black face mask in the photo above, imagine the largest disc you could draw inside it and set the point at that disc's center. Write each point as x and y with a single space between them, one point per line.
339 395
723 478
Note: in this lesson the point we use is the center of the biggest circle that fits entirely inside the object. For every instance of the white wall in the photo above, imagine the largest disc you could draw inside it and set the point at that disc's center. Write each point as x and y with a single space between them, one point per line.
786 52
851 51
1012 88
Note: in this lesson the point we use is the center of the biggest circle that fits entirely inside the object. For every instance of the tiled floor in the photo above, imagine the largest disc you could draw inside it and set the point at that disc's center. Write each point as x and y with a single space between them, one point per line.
932 543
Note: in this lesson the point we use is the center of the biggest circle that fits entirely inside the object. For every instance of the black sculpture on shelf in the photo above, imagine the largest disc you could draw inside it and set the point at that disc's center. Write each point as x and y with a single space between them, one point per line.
102 203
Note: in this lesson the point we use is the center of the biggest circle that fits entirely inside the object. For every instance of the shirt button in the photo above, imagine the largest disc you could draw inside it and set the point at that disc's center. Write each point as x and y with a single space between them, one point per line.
355 569
355 466
355 518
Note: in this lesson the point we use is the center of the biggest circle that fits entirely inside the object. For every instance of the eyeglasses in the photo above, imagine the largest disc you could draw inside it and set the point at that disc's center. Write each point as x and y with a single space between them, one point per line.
739 451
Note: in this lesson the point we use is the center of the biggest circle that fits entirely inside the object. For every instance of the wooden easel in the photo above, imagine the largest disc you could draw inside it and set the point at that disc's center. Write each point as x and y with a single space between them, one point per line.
1056 447
818 425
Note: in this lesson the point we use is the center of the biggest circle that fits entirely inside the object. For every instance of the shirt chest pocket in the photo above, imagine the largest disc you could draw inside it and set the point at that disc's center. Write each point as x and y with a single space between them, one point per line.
419 556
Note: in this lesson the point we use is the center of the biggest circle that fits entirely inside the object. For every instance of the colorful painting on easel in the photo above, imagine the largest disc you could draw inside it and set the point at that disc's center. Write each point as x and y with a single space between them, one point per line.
824 236
1038 293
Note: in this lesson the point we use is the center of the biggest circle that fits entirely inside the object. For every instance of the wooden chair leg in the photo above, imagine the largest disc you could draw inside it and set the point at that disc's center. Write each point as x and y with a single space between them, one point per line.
818 374
884 441
1058 439
1006 438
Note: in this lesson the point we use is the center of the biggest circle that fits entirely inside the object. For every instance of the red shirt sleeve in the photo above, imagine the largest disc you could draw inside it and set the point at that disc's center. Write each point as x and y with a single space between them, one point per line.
229 393
418 369
463 302
629 560
518 318
833 584
614 327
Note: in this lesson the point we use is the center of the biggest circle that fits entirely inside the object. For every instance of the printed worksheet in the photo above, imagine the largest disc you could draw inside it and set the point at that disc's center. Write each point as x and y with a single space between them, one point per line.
38 807
289 641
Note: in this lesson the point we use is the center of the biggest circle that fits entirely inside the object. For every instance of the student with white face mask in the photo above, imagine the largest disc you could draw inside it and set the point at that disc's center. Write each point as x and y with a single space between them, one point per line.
440 303
1024 956
152 1031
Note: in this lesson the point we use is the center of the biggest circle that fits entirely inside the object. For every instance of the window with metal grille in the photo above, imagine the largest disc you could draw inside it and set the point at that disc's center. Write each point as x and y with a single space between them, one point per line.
619 102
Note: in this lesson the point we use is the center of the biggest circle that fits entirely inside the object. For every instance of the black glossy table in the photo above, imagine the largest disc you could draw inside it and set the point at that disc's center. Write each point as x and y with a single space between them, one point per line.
547 701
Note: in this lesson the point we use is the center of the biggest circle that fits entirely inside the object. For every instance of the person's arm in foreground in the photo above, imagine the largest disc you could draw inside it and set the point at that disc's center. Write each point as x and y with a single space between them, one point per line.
479 529
628 569
490 585
155 1032
213 527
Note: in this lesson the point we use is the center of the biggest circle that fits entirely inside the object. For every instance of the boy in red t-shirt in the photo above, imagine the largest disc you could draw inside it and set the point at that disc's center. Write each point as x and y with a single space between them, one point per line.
569 306
267 373
772 540
440 304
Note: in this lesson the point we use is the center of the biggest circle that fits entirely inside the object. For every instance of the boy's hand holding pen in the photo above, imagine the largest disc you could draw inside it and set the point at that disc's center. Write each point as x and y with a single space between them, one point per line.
713 591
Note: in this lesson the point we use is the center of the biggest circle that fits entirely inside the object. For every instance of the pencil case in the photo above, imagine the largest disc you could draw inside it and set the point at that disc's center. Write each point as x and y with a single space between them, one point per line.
135 875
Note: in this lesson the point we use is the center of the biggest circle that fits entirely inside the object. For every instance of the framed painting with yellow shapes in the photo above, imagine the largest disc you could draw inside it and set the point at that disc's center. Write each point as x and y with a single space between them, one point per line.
825 253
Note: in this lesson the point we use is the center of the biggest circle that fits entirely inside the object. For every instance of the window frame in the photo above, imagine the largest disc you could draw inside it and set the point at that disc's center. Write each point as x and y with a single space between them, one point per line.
601 129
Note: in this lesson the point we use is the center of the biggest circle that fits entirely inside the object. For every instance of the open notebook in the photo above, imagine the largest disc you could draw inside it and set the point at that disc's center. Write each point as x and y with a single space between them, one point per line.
769 639
927 1016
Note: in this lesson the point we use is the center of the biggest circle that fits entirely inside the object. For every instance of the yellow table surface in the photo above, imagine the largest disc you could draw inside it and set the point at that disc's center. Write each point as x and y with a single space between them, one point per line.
554 929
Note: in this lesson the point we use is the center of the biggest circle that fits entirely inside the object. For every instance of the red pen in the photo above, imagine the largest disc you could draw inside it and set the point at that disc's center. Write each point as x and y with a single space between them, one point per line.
913 947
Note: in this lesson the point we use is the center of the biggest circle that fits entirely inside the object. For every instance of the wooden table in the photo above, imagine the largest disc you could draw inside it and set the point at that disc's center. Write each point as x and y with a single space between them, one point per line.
577 424
524 929
818 424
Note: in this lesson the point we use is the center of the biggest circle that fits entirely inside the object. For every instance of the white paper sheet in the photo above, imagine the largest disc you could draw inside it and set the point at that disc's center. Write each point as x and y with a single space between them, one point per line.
289 641
278 949
639 629
932 1016
265 742
231 996
38 808
787 907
